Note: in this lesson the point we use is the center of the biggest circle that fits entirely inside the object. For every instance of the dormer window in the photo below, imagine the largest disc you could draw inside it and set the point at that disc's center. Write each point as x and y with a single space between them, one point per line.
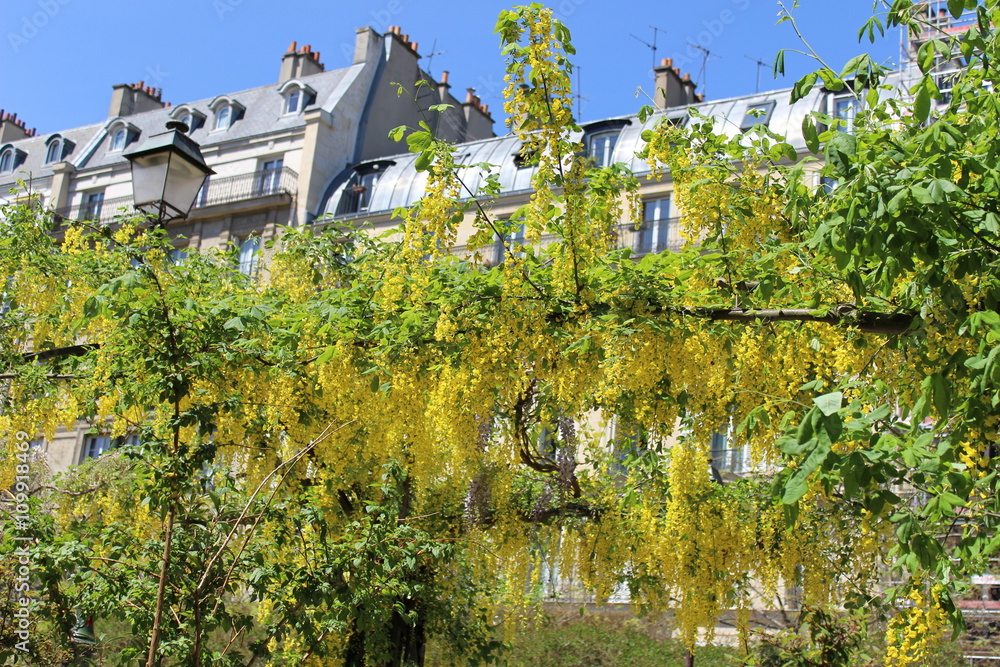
227 111
190 117
297 96
356 197
57 149
10 158
525 158
845 108
757 114
601 138
222 117
601 146
122 134
7 161
54 152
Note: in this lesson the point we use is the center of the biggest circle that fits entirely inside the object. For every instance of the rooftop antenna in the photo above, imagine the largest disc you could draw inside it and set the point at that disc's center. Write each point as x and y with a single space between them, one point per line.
430 57
703 74
651 46
760 63
579 98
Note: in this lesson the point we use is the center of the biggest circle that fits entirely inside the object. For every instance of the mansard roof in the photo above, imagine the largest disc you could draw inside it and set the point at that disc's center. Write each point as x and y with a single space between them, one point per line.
402 185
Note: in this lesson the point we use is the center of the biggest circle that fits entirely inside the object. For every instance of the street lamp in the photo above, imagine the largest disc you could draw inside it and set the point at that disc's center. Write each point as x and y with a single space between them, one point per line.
167 173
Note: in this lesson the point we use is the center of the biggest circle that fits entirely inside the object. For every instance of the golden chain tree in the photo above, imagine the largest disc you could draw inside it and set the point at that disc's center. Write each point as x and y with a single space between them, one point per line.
363 443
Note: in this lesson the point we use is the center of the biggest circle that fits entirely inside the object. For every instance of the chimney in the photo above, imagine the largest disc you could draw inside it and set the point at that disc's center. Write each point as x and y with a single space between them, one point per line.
128 99
367 46
297 63
397 32
443 86
12 129
672 89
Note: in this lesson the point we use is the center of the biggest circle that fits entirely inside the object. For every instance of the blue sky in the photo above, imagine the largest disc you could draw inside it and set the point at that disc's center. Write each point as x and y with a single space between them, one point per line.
61 57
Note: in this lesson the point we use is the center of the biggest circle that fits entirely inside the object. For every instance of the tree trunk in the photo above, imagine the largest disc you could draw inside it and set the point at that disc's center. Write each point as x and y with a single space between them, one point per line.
154 640
688 658
407 645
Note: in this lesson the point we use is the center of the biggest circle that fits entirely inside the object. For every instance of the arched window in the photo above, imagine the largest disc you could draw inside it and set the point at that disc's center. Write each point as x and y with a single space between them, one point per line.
54 152
190 116
122 134
601 146
600 139
118 139
297 96
222 117
292 100
7 161
227 111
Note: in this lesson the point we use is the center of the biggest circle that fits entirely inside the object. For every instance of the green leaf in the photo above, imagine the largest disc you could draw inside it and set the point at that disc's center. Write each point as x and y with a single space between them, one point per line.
810 133
803 86
779 64
830 403
397 133
798 483
234 323
942 395
840 151
922 104
925 56
419 141
782 150
830 80
423 161
327 355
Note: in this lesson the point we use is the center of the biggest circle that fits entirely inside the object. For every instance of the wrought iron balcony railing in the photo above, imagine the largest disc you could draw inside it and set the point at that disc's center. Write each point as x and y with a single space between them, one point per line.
216 191
651 237
261 183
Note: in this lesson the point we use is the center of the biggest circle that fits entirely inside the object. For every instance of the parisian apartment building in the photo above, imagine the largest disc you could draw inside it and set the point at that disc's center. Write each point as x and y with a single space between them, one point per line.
313 148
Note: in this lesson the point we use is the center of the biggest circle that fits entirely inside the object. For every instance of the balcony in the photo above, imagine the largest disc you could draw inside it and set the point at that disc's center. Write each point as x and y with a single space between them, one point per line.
652 237
216 191
261 183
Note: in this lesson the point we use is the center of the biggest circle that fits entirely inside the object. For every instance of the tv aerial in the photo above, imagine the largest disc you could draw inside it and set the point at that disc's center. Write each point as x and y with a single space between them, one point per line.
430 57
760 63
702 79
652 46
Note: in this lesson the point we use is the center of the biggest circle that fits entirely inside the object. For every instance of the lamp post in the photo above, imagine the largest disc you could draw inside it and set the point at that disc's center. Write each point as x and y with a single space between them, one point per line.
167 173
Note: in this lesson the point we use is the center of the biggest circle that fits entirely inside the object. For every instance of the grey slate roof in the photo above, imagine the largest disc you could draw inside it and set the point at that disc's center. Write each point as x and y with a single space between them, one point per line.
402 185
264 114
